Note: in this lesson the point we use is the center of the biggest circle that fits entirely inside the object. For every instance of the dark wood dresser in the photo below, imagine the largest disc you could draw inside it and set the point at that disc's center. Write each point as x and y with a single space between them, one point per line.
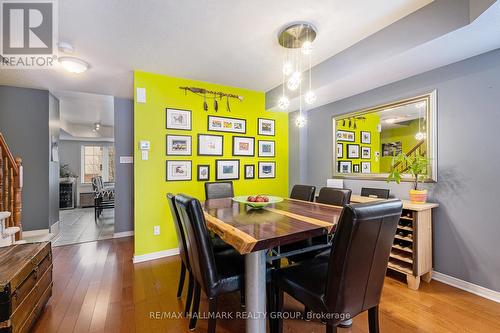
25 284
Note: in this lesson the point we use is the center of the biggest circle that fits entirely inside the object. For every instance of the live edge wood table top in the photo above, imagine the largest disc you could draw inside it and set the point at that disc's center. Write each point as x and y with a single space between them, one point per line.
249 230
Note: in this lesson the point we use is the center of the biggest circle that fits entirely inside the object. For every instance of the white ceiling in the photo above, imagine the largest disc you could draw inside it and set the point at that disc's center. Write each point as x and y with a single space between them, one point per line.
228 42
85 109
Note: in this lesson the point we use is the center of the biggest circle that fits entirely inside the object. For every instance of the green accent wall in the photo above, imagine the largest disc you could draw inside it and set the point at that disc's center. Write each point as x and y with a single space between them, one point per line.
150 185
404 134
370 124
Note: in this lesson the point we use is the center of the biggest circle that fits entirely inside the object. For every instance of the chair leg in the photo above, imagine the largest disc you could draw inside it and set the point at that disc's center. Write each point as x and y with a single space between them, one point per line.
181 280
331 329
242 297
306 313
373 320
212 313
196 307
189 297
279 309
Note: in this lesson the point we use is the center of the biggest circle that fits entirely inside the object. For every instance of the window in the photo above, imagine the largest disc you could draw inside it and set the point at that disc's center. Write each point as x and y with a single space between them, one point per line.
98 161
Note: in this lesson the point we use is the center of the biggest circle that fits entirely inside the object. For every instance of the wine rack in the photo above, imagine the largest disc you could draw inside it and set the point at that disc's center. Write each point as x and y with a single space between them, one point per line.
411 252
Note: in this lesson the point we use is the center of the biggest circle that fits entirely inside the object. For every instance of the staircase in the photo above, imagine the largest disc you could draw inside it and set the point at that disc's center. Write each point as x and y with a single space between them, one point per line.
418 150
11 182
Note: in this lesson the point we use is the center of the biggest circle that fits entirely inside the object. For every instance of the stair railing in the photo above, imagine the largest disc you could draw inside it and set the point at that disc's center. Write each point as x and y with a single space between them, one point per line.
11 183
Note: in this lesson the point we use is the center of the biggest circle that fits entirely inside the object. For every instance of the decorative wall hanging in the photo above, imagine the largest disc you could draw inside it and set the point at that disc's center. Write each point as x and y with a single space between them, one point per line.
178 119
366 152
346 136
340 150
345 166
366 137
216 96
226 124
179 145
352 151
266 127
227 169
210 145
266 148
355 168
366 167
352 122
203 172
243 146
178 170
249 171
267 169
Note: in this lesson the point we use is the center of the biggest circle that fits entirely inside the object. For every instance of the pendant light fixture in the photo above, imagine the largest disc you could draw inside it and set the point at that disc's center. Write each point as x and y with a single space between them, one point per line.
297 42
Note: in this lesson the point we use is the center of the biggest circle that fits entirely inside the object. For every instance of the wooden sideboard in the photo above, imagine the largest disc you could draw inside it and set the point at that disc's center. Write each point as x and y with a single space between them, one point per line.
411 252
25 284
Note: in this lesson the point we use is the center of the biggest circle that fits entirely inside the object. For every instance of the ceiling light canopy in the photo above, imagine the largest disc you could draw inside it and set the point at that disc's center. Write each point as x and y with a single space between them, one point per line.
297 41
73 65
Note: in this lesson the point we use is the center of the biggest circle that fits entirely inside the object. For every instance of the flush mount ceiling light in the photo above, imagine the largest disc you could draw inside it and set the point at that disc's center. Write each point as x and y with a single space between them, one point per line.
73 65
297 41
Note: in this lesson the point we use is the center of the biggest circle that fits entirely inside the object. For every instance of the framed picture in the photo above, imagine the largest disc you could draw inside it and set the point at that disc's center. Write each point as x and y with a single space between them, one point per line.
266 148
355 168
203 172
345 166
352 151
366 137
249 171
266 127
243 146
178 119
366 152
392 148
340 150
226 124
348 136
179 145
178 170
366 167
210 145
227 169
267 169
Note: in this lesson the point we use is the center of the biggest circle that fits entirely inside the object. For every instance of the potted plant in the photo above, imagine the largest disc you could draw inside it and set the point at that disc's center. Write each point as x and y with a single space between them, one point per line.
417 167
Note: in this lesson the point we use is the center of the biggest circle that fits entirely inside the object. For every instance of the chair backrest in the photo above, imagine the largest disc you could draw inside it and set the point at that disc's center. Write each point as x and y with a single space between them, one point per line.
179 230
334 196
303 192
381 193
199 246
218 190
359 257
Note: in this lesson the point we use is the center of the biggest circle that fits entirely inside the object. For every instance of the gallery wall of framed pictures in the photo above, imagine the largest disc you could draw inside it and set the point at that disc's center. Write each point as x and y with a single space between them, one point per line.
211 144
357 146
199 149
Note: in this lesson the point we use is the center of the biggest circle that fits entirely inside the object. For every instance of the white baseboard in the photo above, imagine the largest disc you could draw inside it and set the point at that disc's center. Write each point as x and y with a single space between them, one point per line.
54 228
35 233
155 255
123 234
467 286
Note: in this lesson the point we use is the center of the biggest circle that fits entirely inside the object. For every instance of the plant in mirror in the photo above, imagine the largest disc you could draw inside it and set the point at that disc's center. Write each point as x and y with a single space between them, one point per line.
373 136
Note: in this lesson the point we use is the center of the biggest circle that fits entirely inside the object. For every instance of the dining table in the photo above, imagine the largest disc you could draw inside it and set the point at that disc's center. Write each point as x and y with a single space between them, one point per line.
255 232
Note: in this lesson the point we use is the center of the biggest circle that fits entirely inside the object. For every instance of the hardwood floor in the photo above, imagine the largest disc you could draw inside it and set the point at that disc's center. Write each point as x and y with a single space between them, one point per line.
97 288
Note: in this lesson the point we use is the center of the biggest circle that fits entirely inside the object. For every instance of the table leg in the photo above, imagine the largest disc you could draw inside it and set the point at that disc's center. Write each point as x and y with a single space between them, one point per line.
255 279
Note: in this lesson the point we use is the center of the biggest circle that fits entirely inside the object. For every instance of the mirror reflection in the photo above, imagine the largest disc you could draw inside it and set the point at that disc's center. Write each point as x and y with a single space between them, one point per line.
366 141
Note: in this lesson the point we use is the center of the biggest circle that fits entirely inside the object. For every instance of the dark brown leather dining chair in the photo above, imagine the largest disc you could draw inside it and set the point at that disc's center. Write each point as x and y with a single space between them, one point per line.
351 280
218 245
381 193
216 273
218 190
334 196
303 192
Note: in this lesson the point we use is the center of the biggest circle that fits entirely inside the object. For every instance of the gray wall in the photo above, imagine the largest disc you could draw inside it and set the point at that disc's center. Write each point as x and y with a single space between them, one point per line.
466 225
54 130
124 173
24 121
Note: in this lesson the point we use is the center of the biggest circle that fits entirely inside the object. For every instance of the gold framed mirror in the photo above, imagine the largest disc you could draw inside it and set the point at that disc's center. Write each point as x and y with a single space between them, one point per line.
365 141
